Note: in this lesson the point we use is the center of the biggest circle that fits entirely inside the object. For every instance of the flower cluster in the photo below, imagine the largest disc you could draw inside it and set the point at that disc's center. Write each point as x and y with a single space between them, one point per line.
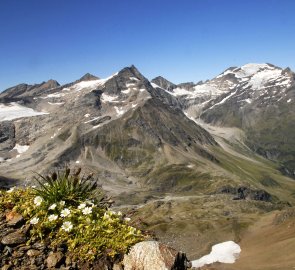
88 229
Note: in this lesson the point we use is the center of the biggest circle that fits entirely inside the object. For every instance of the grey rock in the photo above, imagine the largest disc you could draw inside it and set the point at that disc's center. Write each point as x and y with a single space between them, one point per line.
154 255
6 267
54 259
33 252
14 238
7 135
15 219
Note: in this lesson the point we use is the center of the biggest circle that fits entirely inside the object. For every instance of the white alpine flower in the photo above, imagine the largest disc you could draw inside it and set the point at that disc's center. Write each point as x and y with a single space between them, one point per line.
82 206
65 212
67 226
38 200
87 210
119 213
127 219
52 217
62 203
34 221
52 207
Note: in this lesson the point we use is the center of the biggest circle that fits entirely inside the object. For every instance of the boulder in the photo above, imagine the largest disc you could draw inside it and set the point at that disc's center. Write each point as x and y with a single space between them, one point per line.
14 219
14 238
149 255
54 259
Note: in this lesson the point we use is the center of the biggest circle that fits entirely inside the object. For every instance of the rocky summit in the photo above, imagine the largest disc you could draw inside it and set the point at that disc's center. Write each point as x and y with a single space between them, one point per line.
197 163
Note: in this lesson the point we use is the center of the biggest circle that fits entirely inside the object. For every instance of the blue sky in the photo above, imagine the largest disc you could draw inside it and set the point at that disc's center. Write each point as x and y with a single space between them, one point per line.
186 40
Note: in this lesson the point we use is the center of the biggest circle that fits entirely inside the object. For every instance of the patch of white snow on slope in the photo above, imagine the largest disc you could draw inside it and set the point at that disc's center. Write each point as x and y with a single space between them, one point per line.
119 111
133 79
107 98
126 91
21 148
14 110
226 252
261 78
90 85
225 99
55 95
56 103
250 69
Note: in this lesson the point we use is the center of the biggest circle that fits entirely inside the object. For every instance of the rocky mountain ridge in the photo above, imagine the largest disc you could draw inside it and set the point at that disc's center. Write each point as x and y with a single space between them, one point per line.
257 98
178 157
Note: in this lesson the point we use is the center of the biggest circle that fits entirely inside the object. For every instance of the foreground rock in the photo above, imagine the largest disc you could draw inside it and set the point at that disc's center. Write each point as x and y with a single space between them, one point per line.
154 255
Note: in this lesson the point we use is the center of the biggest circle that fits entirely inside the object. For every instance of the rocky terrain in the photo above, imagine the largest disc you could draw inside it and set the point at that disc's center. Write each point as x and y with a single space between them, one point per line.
195 161
19 251
257 98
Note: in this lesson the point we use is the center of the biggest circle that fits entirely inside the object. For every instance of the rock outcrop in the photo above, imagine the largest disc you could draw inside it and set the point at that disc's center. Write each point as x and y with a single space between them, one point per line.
149 255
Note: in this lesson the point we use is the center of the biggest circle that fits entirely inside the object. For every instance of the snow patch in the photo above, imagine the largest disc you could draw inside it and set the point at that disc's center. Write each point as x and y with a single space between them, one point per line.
55 95
181 92
126 91
56 103
224 73
263 77
225 99
93 119
107 98
21 148
250 69
87 115
133 79
130 84
89 85
119 111
15 110
97 126
289 100
226 252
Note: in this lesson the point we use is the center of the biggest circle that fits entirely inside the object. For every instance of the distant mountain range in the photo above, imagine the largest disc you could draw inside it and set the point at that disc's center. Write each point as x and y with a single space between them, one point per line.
71 122
191 159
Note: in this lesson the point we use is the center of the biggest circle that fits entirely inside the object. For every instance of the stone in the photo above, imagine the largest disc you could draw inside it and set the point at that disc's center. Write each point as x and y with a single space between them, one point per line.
154 255
117 266
33 252
39 246
54 259
14 238
14 219
6 267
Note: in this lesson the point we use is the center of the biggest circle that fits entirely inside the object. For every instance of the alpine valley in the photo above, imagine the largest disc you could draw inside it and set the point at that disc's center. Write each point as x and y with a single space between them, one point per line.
197 163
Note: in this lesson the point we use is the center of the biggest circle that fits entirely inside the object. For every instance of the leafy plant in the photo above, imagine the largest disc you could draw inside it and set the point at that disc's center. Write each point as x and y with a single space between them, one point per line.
61 211
71 188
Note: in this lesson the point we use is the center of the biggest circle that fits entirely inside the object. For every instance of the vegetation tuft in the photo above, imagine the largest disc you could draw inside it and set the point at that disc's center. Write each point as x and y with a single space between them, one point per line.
72 210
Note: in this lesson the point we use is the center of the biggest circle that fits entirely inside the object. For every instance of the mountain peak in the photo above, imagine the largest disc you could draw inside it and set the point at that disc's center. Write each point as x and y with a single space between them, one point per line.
51 83
131 71
164 83
88 77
